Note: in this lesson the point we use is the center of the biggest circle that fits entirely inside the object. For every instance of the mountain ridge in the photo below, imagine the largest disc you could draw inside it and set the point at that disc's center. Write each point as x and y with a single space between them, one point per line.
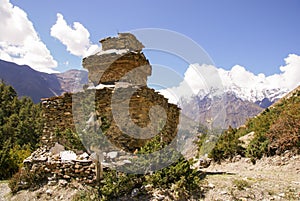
236 103
37 85
29 82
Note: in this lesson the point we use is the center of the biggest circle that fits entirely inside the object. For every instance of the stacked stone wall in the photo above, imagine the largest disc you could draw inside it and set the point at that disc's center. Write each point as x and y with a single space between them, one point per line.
44 164
58 115
121 109
130 67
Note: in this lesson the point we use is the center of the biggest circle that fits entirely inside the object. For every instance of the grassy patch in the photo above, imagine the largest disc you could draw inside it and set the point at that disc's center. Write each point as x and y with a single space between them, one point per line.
86 195
241 184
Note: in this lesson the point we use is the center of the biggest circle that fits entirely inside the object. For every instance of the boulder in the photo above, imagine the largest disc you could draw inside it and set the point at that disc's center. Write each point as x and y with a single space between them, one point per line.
57 148
112 154
120 60
246 139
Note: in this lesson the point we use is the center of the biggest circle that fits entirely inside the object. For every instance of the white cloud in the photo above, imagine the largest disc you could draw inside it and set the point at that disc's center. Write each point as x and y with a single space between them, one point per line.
201 78
19 42
288 78
256 87
291 72
197 79
75 38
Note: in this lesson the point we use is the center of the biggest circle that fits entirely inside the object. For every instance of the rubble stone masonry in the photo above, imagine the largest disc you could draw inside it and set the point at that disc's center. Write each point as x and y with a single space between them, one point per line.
58 114
125 101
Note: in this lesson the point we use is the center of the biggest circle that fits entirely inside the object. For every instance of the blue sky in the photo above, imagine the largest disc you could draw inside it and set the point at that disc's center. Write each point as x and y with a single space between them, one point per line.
255 34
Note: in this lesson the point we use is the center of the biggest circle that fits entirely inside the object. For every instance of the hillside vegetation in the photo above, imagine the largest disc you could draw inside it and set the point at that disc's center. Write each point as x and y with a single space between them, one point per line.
276 130
273 132
20 129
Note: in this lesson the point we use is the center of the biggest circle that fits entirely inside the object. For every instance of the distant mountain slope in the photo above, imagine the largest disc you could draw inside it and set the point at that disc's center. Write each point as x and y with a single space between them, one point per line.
72 80
223 111
236 105
28 82
205 88
272 132
288 96
37 85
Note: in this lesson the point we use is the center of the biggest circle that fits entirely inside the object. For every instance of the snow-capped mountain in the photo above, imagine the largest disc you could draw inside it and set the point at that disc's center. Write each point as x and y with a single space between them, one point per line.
230 108
220 111
229 97
250 87
209 81
262 97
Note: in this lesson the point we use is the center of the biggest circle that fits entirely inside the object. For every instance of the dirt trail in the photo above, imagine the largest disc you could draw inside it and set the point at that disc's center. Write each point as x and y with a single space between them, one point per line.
4 190
276 178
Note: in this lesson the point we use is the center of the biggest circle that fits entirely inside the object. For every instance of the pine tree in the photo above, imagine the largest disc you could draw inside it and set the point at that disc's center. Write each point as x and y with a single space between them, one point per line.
20 129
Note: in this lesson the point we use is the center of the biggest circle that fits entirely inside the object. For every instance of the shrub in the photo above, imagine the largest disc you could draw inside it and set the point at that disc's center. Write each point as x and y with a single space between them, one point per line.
178 173
285 133
207 139
25 179
241 184
257 147
89 194
18 154
227 146
178 176
276 129
69 139
115 184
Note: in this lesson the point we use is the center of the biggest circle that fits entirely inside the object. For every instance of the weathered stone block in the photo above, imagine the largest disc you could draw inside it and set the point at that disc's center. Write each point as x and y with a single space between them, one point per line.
123 41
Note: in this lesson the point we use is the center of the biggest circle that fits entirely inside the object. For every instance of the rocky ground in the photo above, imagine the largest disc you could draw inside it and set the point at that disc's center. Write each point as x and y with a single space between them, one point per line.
276 178
4 190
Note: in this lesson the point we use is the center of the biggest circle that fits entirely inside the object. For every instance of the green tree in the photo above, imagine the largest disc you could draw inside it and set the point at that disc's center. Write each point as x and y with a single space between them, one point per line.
20 129
227 146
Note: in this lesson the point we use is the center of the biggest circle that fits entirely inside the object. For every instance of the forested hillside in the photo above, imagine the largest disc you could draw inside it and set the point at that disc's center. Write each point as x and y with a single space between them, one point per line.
272 132
20 128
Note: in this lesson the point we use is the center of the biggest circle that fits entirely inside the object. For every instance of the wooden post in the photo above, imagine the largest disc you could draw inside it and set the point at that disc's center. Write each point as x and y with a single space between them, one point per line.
101 170
99 167
98 170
